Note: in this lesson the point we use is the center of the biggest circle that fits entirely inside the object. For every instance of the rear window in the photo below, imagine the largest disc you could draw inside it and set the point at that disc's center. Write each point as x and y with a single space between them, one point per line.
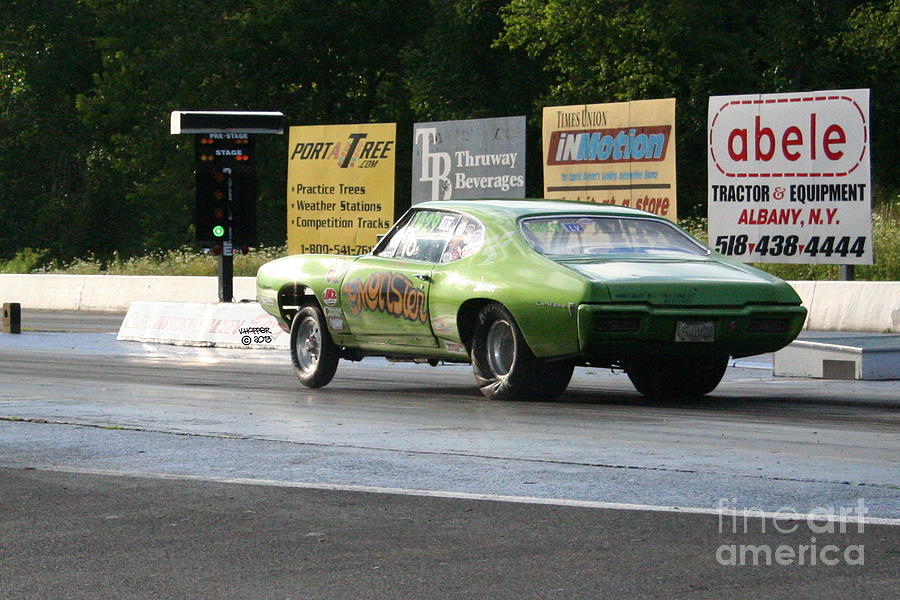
593 235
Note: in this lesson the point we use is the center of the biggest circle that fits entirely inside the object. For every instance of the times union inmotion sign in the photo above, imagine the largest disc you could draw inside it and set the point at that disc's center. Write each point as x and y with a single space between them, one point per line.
789 177
620 153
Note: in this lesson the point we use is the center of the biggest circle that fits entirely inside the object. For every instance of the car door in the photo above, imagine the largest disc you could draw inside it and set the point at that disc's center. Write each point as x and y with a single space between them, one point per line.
385 294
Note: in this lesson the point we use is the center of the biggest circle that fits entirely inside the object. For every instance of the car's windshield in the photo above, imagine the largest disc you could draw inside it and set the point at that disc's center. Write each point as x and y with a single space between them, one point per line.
594 235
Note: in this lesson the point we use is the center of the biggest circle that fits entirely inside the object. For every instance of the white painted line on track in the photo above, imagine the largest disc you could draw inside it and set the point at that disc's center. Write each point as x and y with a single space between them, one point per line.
742 363
816 517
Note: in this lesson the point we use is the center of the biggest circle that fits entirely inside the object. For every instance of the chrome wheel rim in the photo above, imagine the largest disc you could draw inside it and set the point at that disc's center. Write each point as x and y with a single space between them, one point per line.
501 347
308 344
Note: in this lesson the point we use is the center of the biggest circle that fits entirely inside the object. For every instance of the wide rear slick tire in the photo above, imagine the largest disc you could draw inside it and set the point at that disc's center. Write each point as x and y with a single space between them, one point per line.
313 353
504 366
676 379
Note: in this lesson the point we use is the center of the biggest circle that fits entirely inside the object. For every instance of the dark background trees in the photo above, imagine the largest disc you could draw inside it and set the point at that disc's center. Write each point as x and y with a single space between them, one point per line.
86 86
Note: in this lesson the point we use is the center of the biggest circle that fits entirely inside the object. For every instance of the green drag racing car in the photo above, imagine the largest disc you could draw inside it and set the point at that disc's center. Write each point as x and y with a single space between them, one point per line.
526 290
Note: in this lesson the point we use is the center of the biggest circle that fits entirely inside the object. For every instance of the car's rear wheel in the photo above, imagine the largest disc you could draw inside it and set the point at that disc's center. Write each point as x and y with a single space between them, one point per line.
551 379
504 366
314 354
677 378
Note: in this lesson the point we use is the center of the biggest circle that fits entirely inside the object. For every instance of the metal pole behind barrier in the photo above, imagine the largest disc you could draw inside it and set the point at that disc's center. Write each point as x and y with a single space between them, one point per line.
12 317
846 272
226 273
226 259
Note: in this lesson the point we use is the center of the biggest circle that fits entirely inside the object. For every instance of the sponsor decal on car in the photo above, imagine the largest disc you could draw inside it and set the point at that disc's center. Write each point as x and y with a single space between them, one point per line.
336 272
454 347
549 304
481 286
442 325
391 293
330 296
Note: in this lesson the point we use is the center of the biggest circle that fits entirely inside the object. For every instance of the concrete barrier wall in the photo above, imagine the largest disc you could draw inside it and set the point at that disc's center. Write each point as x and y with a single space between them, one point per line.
832 305
851 305
233 325
113 293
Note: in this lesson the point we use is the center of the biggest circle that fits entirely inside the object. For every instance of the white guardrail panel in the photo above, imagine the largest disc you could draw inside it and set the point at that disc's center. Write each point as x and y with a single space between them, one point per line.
233 325
113 293
851 305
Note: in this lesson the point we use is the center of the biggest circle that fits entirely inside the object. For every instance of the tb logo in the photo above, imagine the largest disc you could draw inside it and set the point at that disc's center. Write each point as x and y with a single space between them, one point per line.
435 165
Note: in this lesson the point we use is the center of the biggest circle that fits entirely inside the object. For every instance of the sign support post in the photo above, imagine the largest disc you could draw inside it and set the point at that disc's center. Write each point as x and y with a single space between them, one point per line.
847 272
226 259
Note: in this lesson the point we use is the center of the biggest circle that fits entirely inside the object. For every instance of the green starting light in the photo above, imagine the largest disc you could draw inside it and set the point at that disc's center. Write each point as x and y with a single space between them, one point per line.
218 231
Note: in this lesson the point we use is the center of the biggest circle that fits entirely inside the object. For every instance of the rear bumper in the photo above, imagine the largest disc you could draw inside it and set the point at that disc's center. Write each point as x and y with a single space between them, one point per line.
611 333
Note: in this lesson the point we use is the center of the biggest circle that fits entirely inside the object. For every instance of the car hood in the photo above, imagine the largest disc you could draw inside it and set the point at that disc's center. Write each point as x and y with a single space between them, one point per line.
691 282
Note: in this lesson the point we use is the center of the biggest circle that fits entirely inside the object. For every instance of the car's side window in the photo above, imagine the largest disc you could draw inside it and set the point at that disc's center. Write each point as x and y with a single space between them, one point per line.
428 234
467 238
434 236
393 242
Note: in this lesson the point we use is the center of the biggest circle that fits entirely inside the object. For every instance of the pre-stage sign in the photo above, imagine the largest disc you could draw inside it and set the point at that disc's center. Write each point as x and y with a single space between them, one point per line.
789 178
621 153
340 192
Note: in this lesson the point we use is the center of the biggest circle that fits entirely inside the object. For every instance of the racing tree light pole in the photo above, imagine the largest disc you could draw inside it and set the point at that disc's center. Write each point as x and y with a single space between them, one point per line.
225 175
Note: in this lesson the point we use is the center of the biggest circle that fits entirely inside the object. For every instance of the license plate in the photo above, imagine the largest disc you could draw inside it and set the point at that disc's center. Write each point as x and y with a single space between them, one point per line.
695 331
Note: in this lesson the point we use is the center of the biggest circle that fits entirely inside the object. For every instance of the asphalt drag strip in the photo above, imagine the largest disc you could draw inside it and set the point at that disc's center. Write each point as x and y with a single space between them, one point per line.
133 470
103 536
112 449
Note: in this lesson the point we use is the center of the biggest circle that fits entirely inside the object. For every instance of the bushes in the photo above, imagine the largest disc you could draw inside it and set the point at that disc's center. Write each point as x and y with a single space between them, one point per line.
188 260
26 260
183 261
885 231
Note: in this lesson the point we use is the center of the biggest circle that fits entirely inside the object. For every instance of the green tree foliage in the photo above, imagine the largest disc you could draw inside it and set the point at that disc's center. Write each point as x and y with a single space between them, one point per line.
870 49
156 57
331 63
87 164
617 50
46 59
458 71
318 62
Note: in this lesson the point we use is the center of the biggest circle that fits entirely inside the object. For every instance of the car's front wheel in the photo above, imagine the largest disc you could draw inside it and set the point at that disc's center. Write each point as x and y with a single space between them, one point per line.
314 354
504 366
677 378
